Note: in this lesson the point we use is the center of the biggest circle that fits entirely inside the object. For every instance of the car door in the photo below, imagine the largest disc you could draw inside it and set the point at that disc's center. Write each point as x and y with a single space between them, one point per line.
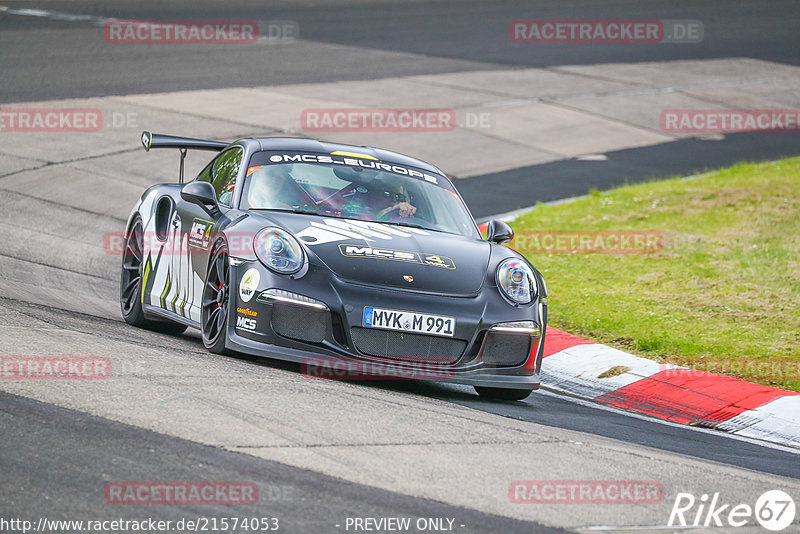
198 233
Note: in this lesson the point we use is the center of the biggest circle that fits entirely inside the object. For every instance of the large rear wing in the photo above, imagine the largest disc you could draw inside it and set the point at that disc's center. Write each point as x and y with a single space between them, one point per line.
151 140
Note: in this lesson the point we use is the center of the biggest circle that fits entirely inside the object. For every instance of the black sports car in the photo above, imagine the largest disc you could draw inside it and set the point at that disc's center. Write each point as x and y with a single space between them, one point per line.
344 258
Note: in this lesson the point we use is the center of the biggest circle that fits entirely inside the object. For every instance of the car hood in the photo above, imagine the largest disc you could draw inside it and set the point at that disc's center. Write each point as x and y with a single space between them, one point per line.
393 256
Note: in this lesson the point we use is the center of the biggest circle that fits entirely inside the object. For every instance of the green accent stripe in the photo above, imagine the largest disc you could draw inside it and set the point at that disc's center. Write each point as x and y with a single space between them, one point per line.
174 299
144 280
185 296
164 293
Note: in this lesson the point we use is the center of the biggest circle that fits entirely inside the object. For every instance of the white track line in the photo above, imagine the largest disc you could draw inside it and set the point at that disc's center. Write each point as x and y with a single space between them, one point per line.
94 20
56 15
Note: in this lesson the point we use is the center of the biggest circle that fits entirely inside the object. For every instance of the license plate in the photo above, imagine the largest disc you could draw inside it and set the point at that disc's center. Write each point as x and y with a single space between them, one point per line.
404 321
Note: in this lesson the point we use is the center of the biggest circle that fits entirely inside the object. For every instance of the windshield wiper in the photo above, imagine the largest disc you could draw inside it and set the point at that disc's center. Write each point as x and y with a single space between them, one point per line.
305 212
293 210
407 224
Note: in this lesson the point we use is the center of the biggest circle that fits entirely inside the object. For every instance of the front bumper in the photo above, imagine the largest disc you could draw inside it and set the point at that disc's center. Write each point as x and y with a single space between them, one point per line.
322 330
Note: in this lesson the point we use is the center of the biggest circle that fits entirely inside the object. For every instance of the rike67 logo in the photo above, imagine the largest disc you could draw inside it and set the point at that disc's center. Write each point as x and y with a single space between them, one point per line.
774 510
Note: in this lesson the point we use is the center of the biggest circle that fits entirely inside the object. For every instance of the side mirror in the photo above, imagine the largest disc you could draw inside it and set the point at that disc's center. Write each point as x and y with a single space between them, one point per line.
499 232
202 194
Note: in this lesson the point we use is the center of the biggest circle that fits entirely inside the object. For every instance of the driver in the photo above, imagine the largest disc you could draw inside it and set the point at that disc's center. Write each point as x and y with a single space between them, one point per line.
274 188
395 198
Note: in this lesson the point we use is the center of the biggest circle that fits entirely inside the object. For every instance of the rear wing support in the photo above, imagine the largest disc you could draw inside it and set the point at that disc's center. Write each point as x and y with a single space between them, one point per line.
183 144
183 157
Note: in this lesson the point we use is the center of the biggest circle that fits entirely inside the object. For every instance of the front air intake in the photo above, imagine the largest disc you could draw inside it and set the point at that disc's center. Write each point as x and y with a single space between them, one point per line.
506 349
405 346
299 322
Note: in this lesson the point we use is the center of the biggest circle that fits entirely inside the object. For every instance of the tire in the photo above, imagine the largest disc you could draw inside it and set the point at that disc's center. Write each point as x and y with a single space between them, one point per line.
216 301
130 285
503 393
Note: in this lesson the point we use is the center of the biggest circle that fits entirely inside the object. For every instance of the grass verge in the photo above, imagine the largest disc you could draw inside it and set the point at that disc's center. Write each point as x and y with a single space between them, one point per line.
720 289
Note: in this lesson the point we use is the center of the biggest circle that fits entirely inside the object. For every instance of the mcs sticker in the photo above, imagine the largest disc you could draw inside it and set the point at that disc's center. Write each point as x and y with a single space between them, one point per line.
200 234
245 323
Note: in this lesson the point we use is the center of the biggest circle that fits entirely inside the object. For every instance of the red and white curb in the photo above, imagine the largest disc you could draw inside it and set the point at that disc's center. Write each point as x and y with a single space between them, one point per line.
604 374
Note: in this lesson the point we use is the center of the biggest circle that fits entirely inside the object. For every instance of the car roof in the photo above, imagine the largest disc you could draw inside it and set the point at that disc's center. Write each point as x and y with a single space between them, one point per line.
303 144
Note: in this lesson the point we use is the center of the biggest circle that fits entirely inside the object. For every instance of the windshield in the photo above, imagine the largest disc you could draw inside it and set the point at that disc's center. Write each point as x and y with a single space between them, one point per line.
360 188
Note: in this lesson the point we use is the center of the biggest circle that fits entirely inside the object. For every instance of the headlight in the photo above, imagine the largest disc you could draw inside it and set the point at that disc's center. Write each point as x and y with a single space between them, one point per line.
515 279
278 250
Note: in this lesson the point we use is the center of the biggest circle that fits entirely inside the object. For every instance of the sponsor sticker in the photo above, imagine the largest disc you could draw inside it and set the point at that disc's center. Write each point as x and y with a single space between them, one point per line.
249 284
355 251
367 163
245 323
331 230
200 234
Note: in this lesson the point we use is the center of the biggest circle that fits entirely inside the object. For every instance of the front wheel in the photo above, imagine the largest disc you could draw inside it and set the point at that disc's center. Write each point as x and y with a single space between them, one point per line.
502 393
216 298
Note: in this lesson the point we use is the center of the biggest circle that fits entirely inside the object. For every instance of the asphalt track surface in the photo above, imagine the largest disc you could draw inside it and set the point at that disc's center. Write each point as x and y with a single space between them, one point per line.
44 58
497 193
54 459
41 443
47 57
